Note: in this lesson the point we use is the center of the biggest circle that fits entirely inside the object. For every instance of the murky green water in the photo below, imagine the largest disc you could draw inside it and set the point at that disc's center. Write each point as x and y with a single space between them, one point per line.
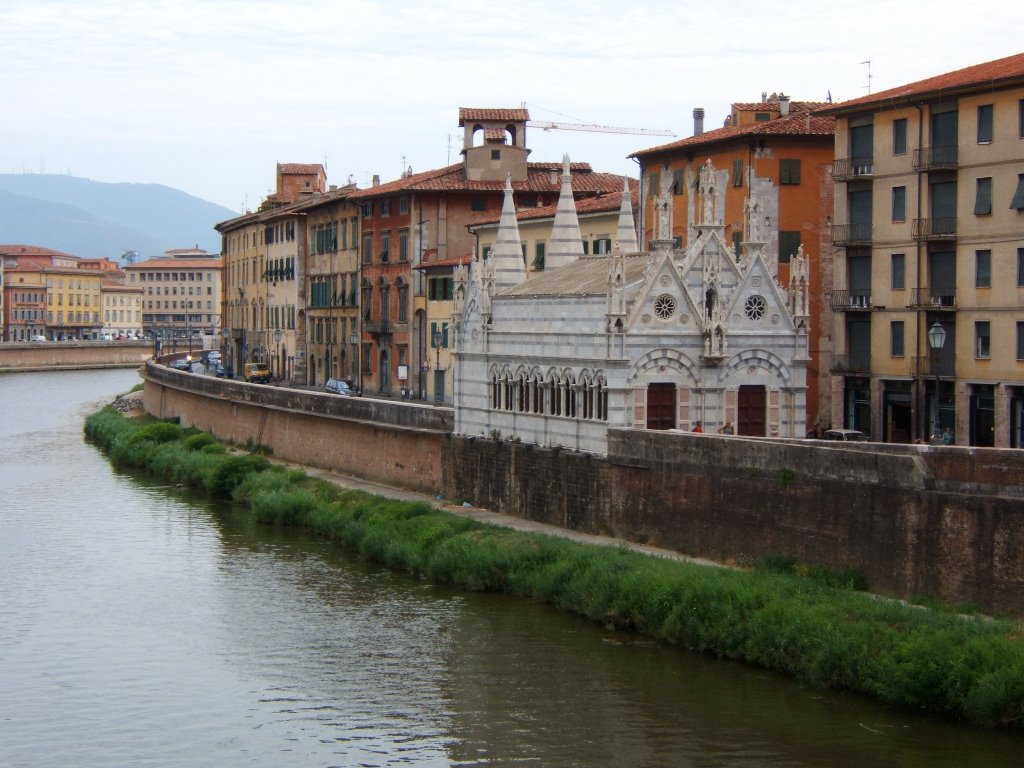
140 626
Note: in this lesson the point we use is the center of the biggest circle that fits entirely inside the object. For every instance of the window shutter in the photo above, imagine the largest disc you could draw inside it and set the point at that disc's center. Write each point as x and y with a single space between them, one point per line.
983 199
444 335
737 173
1018 197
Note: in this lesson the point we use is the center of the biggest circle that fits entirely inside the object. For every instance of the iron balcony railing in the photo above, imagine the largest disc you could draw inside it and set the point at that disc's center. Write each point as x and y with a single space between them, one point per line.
852 167
851 234
845 300
937 228
935 158
943 367
378 327
933 298
851 364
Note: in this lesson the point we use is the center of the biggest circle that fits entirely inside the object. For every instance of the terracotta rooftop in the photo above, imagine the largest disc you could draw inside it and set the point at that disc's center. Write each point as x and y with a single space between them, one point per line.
988 75
283 211
469 114
800 124
774 106
602 203
33 250
540 177
213 262
300 168
451 261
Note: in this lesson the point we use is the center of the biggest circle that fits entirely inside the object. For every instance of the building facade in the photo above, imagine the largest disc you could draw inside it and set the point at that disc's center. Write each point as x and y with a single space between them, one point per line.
180 297
700 337
929 278
776 158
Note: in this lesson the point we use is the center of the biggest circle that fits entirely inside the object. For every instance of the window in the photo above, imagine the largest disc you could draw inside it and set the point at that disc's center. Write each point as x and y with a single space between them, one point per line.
789 244
899 136
677 182
789 171
367 210
899 203
737 173
1017 203
403 302
985 124
899 271
1020 118
983 269
385 246
538 258
982 335
367 248
477 203
403 245
385 207
762 117
896 338
652 184
1020 340
1020 267
440 288
602 245
403 205
983 198
495 154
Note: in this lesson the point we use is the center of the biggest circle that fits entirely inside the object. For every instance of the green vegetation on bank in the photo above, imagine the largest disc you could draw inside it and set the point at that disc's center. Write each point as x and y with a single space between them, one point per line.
815 627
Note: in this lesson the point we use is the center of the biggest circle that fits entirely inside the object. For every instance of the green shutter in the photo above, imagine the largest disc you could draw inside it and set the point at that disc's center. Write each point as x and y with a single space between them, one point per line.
737 173
1017 203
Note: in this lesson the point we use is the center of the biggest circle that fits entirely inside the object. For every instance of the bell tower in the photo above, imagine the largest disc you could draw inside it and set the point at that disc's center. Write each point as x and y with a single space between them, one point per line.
494 143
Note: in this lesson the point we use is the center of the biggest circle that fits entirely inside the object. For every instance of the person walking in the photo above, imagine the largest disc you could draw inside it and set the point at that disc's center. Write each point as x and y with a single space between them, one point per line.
727 428
697 427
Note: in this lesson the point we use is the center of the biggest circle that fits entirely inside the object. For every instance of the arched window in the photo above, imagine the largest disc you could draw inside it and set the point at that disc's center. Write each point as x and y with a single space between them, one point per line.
601 396
495 391
506 386
587 397
555 398
536 394
522 394
569 390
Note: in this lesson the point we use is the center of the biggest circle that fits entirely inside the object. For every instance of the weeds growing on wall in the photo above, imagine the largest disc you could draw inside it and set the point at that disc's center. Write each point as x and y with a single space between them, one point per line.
815 626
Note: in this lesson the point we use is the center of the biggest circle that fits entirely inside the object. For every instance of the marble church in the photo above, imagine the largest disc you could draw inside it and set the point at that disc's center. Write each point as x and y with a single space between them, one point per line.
659 339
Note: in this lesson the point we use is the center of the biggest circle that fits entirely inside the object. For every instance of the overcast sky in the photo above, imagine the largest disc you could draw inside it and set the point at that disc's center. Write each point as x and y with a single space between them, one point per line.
207 96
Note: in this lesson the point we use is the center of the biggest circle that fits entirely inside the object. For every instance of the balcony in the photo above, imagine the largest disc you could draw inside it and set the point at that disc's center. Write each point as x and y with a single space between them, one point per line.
851 234
935 158
933 298
938 228
943 367
846 168
378 327
851 365
842 301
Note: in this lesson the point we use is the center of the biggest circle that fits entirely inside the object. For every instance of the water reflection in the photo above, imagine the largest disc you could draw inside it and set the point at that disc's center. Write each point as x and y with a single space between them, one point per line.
142 625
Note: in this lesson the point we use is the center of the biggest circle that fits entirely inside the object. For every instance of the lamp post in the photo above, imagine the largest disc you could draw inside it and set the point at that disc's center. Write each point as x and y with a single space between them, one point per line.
435 338
188 326
277 350
936 340
357 372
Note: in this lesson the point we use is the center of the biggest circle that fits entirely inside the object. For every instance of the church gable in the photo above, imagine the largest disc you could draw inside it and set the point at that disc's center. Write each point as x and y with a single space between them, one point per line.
663 302
758 305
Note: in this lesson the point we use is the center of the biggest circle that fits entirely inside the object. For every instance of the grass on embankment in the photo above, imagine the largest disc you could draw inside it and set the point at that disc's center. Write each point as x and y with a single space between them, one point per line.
823 635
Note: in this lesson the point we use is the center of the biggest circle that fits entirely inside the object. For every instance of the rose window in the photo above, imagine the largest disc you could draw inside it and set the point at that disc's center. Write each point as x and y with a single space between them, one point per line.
755 307
664 306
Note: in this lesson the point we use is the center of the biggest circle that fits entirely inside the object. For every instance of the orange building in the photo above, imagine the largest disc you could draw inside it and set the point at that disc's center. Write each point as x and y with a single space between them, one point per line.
775 158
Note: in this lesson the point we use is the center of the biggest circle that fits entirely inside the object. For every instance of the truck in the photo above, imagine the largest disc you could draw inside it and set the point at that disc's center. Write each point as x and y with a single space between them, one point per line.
256 373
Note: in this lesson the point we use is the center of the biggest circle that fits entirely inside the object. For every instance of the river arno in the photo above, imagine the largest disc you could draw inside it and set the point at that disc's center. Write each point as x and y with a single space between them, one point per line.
140 626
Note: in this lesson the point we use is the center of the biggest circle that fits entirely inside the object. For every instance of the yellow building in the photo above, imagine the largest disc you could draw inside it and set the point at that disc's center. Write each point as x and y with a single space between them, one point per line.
929 279
122 309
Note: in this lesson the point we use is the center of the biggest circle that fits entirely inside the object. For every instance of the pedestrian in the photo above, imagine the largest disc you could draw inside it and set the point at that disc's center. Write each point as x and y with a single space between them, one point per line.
727 428
947 436
697 427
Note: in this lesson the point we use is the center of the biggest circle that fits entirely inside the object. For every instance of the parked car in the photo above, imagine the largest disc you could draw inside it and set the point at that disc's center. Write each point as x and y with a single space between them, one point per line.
182 364
256 373
849 435
224 373
37 337
340 387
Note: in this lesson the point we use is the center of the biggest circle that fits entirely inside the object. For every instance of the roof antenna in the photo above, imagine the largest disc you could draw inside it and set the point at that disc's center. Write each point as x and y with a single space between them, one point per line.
868 62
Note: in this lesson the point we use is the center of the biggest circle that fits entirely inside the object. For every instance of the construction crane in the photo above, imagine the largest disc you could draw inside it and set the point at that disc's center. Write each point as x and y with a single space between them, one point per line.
548 126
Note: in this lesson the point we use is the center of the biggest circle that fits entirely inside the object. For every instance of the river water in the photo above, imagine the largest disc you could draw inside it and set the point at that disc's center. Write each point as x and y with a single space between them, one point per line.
144 626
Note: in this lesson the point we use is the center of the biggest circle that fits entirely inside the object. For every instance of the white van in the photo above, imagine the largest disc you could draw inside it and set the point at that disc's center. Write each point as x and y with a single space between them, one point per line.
37 337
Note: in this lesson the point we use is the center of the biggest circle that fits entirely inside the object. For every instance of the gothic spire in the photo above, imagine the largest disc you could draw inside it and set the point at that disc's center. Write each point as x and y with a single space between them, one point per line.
566 242
507 256
625 236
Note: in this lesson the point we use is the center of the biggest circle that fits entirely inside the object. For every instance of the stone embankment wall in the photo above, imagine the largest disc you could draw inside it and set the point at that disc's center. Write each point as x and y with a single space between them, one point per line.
385 441
72 355
916 520
945 522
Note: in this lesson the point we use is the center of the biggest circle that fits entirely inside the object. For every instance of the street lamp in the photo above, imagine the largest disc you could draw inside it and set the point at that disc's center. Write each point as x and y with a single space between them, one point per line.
436 337
188 326
357 371
277 353
936 340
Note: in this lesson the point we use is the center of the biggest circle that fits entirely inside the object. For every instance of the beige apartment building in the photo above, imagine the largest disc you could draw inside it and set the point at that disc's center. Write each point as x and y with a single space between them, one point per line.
180 295
122 309
929 275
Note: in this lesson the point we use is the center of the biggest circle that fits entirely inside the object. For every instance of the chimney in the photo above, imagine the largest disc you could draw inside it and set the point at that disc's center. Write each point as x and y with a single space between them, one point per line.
376 179
783 105
764 96
698 121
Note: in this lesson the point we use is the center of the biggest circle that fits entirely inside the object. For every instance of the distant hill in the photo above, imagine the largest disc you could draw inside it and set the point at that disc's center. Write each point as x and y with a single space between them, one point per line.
92 218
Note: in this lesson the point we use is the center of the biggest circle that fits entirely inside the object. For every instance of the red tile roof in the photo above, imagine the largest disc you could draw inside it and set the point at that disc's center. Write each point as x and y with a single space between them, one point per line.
300 168
540 177
494 134
469 114
33 250
602 203
800 124
774 106
451 261
987 75
166 263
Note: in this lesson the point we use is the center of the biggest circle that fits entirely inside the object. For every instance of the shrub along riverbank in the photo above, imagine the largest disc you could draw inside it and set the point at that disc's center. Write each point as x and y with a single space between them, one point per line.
813 627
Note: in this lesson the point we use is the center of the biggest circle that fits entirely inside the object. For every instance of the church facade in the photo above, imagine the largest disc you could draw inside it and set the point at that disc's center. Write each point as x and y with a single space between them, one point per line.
663 339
